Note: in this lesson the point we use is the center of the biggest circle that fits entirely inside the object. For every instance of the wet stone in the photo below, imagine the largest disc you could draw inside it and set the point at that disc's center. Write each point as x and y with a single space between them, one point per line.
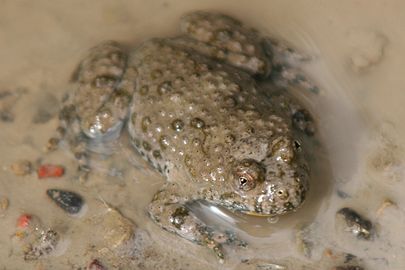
4 204
43 245
348 267
95 265
21 167
6 116
69 201
356 224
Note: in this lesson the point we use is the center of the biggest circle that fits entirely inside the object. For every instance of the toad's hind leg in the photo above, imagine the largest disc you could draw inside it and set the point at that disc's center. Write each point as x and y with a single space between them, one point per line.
96 110
168 210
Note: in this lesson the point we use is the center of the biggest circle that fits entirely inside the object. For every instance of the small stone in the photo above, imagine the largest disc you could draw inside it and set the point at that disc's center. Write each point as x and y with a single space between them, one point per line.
69 201
95 265
4 203
43 245
367 49
356 224
348 267
21 167
52 144
385 204
118 232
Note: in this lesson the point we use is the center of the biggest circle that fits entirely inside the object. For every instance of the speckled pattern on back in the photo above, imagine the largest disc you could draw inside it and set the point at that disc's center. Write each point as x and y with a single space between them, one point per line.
201 118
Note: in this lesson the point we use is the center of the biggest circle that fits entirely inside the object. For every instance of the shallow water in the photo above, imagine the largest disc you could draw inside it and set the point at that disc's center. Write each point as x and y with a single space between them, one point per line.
356 50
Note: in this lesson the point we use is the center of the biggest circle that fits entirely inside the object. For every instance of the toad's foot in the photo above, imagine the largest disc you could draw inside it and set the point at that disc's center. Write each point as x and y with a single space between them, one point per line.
98 107
226 39
284 61
168 210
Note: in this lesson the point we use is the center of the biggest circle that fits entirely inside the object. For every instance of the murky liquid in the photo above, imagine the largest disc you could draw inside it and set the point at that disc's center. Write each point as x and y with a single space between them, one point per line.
357 61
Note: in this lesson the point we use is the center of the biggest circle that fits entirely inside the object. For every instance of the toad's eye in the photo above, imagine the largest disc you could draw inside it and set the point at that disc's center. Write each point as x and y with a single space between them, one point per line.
246 182
247 174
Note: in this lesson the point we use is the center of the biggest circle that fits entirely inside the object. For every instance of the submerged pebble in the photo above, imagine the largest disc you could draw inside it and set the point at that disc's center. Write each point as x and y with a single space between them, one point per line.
21 167
43 245
348 267
385 204
354 223
69 201
34 240
118 232
4 203
8 100
95 265
50 170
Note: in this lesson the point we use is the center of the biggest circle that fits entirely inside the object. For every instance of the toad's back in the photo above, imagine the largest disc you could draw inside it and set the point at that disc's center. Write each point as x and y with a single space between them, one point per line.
196 115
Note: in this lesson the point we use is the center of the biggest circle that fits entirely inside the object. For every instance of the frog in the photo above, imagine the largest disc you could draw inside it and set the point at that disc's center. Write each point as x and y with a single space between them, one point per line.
195 108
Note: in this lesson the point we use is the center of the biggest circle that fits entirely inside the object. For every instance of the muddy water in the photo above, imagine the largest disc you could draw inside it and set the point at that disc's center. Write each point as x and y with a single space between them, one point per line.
357 60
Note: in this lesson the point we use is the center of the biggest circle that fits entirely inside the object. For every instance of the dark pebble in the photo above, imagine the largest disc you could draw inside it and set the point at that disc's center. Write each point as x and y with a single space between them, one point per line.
6 116
356 224
69 201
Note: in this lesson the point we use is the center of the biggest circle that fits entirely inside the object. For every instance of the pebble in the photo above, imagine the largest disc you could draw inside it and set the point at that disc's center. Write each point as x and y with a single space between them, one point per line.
4 204
50 171
367 49
117 230
34 239
356 224
43 245
348 267
95 265
21 167
69 201
385 204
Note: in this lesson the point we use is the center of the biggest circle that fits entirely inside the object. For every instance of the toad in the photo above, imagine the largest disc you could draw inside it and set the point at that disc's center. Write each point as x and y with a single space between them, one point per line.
195 110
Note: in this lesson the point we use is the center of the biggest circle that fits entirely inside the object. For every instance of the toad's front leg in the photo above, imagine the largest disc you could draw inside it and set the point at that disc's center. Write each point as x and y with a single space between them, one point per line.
97 108
168 210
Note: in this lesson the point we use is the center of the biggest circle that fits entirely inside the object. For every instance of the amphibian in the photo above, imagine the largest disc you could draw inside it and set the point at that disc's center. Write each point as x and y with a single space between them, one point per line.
195 110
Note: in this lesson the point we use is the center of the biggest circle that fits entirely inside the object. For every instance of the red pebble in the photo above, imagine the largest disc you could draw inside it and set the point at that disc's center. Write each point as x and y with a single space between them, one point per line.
49 170
96 265
24 220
